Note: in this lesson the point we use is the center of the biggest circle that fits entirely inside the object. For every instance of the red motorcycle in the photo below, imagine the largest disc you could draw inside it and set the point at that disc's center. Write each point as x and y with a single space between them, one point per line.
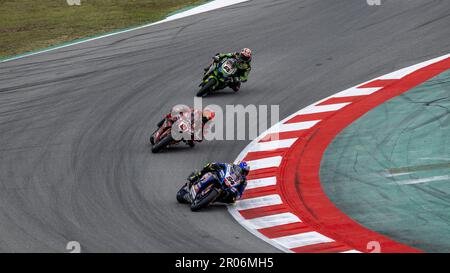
164 135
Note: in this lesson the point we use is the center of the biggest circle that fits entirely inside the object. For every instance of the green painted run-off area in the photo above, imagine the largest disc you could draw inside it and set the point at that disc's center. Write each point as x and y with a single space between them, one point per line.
390 169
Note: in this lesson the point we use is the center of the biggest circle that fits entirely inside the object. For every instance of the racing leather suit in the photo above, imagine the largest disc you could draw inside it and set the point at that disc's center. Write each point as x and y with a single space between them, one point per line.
243 69
171 119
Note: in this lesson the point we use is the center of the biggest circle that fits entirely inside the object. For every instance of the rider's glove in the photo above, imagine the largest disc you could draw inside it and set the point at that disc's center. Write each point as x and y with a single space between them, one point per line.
192 177
216 58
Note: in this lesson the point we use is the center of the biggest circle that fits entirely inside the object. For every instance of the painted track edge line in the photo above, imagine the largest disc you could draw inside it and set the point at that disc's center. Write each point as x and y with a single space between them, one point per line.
209 6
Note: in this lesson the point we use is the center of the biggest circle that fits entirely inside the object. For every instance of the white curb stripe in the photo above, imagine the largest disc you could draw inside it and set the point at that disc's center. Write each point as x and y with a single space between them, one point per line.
273 220
302 239
257 202
264 163
312 109
408 70
351 251
273 145
287 127
356 92
262 182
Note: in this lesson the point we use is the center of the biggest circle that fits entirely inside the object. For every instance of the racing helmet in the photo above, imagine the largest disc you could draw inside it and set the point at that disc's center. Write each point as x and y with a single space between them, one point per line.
208 115
245 168
245 55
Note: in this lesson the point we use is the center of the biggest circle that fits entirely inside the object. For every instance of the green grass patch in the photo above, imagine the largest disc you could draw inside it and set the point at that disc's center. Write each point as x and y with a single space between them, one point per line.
27 25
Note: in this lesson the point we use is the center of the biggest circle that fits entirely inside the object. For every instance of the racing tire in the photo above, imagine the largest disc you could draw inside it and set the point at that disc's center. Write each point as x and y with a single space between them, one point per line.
205 201
162 144
206 88
180 195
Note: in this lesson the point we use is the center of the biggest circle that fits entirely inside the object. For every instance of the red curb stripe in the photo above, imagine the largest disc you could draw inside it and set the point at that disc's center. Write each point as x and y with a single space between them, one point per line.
319 209
331 247
262 173
283 135
263 211
341 100
310 117
259 155
285 230
261 191
379 83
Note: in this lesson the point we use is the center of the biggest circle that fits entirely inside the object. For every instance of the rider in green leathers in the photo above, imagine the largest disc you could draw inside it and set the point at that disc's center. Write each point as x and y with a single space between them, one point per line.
244 67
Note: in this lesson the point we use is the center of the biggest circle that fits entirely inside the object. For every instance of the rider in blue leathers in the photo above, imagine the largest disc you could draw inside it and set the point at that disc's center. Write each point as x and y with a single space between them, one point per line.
238 172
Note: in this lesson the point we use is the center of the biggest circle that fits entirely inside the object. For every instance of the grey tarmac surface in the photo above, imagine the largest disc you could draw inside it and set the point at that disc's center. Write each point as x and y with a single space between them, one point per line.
74 122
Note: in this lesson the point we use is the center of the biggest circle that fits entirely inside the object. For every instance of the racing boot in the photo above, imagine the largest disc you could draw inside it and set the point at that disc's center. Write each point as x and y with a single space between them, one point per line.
236 86
159 124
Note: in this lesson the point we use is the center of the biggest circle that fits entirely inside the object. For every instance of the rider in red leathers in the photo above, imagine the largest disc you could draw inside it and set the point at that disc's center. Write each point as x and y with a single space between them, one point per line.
185 112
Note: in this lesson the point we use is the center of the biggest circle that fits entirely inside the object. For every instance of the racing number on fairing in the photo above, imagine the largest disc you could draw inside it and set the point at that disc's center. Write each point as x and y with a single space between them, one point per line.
182 127
230 181
228 67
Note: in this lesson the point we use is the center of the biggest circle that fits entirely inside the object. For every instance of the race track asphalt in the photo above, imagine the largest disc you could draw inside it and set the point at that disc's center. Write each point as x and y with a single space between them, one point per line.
74 122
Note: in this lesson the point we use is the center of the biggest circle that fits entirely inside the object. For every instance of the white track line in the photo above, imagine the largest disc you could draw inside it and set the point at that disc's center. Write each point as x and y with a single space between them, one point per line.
408 70
422 180
217 4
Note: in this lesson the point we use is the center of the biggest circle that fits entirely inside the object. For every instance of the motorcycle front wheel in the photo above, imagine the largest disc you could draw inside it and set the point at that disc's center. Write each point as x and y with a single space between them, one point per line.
206 88
181 195
210 197
162 144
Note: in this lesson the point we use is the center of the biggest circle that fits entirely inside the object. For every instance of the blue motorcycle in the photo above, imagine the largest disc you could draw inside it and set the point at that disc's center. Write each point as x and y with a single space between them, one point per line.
205 191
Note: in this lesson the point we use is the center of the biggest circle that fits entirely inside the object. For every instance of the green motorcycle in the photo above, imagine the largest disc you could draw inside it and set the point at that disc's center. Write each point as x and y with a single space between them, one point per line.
218 76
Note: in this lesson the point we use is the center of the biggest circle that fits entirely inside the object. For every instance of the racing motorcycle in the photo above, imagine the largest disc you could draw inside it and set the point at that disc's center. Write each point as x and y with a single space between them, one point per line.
205 191
218 76
163 137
